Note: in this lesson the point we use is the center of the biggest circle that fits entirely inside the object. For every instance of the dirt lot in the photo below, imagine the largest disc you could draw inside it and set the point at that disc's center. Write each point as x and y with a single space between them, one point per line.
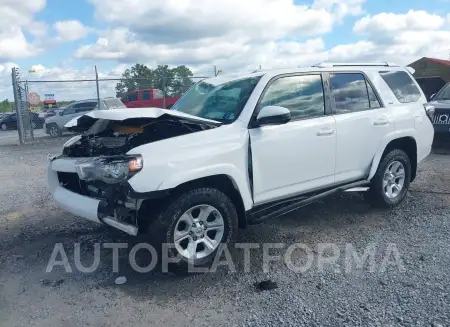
415 294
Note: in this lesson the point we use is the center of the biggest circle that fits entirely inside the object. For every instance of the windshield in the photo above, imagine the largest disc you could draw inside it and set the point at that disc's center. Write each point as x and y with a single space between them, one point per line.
222 102
443 94
113 103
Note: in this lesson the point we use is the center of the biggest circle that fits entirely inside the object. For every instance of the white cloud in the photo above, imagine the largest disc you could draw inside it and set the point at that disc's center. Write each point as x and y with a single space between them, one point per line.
15 17
71 30
245 34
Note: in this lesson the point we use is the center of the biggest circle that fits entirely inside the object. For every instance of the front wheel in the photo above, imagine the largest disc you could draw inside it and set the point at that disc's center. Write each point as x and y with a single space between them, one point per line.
4 127
195 225
391 181
54 130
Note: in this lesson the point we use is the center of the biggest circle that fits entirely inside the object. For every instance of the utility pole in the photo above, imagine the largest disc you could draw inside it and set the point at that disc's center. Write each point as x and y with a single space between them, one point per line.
215 70
98 90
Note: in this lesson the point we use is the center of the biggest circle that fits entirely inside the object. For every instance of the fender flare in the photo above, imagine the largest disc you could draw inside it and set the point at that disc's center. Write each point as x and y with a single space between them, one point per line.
238 178
384 143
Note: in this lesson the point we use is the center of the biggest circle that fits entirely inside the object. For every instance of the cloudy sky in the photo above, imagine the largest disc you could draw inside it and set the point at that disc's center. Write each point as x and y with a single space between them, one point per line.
64 39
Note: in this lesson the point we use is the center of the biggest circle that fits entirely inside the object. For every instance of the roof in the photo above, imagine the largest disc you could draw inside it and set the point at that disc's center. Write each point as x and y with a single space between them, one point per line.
439 61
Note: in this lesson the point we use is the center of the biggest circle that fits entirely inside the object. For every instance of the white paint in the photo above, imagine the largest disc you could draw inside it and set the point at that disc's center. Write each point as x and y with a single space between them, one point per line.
299 156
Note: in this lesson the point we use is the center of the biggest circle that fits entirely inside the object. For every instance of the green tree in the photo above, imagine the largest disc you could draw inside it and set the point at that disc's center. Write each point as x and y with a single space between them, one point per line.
173 81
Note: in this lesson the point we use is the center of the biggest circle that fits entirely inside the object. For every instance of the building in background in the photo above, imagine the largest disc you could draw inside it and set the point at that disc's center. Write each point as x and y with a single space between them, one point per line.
431 74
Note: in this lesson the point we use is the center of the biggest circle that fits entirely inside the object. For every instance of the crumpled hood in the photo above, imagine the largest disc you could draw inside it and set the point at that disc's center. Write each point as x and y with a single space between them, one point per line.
84 122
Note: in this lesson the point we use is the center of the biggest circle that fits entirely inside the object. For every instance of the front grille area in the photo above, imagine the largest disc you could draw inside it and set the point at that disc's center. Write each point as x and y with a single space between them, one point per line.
442 117
72 182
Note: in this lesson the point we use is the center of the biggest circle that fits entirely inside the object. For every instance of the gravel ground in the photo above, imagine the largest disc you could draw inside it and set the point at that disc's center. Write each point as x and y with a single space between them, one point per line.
414 291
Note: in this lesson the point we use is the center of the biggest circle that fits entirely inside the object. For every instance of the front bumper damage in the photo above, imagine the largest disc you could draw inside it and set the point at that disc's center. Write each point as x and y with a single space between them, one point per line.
112 204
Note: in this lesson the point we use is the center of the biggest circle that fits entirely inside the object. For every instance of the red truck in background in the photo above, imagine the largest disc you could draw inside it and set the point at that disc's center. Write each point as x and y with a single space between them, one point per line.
148 98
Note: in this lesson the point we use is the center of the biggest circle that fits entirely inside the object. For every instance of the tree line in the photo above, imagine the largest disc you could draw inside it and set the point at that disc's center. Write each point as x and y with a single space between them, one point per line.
172 81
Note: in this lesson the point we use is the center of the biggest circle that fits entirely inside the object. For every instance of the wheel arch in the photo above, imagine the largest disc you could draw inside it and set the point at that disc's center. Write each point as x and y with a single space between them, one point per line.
405 143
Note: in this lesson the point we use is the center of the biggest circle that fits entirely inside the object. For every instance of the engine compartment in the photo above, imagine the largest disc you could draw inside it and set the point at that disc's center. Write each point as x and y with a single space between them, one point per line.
109 137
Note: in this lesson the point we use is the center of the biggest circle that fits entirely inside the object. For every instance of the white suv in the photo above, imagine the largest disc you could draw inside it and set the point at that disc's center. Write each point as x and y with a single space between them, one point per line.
237 150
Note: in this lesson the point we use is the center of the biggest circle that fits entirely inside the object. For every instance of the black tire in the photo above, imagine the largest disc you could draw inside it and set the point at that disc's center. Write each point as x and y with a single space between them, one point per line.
53 130
4 127
376 195
165 222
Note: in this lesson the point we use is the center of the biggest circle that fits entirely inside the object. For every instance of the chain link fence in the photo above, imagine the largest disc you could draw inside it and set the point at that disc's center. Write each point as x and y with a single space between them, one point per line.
42 107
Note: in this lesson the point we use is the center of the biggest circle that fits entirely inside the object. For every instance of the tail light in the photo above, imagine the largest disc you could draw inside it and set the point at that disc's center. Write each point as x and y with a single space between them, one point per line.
429 109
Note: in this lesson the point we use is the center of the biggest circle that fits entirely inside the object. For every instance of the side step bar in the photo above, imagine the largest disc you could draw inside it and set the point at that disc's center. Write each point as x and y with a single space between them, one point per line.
124 227
282 207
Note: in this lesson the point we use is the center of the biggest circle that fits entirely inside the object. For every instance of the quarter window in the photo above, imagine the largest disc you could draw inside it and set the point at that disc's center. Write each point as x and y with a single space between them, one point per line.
401 85
302 95
352 93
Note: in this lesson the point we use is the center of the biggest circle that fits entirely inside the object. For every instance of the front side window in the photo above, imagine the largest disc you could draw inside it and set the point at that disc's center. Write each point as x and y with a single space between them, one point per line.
302 95
132 96
69 111
217 100
352 93
158 94
402 86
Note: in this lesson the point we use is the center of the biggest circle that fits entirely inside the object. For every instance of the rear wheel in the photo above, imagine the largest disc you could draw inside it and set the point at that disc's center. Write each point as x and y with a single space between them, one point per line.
391 181
195 225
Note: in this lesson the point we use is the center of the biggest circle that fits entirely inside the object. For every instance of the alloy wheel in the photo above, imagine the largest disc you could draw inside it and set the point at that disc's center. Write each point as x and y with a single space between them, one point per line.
198 232
394 179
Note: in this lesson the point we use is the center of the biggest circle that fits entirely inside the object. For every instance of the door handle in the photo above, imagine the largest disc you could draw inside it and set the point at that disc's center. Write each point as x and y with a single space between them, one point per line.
327 131
381 121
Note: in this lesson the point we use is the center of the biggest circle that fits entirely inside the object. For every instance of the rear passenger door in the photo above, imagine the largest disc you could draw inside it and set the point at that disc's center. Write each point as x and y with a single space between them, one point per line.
298 156
361 123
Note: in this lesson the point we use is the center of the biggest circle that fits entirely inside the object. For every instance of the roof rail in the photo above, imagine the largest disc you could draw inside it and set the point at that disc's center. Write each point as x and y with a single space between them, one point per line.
348 64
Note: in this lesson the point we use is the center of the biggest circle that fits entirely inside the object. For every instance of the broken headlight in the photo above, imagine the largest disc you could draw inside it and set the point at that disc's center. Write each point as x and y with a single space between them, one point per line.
110 170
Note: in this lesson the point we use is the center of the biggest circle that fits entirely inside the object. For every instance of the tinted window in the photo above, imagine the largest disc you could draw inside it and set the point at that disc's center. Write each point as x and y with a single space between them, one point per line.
69 111
132 96
85 106
402 85
352 93
146 95
302 95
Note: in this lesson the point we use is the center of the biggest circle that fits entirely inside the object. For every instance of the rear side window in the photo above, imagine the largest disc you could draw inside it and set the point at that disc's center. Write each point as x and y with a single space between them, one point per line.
302 95
352 93
402 85
146 95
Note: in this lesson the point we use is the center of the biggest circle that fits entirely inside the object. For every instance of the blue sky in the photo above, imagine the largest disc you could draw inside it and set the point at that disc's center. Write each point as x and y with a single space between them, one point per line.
67 38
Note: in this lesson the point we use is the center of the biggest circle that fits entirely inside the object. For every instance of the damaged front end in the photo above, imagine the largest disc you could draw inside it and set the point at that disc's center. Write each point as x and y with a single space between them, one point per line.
100 166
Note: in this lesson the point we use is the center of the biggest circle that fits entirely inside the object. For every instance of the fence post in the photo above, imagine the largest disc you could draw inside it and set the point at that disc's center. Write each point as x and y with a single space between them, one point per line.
98 89
15 85
164 90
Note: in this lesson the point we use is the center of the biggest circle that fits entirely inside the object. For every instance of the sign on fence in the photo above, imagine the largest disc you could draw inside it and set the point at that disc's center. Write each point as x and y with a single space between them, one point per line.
34 99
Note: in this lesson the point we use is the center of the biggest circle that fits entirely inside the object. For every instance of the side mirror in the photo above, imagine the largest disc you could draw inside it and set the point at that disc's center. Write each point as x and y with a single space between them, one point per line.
432 96
273 115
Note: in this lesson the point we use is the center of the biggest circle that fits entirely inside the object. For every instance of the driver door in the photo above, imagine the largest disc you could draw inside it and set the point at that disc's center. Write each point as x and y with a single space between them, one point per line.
298 156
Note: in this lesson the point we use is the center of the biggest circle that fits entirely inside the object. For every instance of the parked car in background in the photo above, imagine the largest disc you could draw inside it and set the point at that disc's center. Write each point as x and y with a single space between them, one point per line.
441 102
430 85
148 98
54 125
9 121
238 150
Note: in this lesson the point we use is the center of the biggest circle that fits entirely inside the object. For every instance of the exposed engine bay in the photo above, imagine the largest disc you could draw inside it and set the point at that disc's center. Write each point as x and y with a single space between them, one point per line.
112 137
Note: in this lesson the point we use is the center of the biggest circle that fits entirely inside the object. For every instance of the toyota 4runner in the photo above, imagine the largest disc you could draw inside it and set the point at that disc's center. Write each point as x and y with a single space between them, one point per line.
239 149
